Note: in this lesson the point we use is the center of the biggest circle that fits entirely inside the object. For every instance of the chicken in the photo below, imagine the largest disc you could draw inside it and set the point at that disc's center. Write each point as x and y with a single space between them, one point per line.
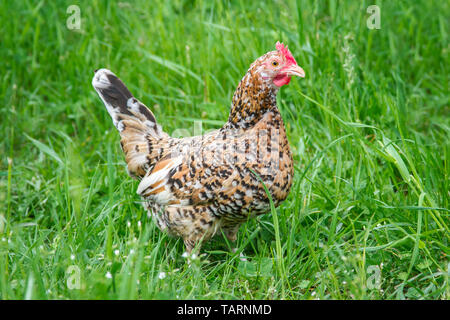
196 187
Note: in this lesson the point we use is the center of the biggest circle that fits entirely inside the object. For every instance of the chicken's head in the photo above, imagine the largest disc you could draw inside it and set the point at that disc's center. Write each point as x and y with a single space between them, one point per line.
279 66
257 91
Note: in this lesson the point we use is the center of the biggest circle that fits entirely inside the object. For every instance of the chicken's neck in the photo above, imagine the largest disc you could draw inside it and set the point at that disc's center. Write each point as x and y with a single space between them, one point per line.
253 98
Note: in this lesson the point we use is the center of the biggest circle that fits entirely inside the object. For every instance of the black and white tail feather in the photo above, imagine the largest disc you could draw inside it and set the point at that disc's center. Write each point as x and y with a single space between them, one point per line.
137 125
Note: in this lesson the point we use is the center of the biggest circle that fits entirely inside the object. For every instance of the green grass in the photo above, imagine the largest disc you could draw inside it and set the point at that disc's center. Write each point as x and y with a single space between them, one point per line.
368 126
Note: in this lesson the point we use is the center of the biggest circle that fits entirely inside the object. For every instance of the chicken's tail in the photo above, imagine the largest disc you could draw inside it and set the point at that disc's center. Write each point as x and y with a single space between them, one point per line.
135 122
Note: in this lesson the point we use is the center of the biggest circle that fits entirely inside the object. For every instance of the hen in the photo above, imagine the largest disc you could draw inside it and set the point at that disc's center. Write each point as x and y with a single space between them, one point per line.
198 186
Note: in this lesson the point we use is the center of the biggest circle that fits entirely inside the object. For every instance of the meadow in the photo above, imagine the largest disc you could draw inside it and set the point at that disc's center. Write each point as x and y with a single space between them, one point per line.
369 126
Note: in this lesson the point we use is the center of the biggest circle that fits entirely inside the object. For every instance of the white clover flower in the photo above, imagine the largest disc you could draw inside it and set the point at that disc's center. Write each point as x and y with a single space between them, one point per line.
108 275
72 257
162 275
116 252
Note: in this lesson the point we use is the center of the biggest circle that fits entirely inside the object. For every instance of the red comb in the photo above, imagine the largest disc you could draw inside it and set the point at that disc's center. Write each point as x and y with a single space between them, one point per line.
286 53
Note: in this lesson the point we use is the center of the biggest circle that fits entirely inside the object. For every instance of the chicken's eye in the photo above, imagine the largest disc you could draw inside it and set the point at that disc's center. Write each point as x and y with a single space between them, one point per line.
274 63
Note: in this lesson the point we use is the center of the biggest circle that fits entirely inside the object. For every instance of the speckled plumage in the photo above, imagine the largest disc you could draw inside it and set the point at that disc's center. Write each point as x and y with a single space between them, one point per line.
196 186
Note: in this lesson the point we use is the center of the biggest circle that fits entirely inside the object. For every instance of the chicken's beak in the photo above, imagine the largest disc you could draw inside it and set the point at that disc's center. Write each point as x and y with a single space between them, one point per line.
295 70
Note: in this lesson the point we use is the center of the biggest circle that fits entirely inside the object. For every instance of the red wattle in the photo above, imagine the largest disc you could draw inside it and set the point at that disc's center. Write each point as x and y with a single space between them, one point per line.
281 80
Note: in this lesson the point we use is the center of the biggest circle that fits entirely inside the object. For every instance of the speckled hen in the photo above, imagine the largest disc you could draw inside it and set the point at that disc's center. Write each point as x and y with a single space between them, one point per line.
196 187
